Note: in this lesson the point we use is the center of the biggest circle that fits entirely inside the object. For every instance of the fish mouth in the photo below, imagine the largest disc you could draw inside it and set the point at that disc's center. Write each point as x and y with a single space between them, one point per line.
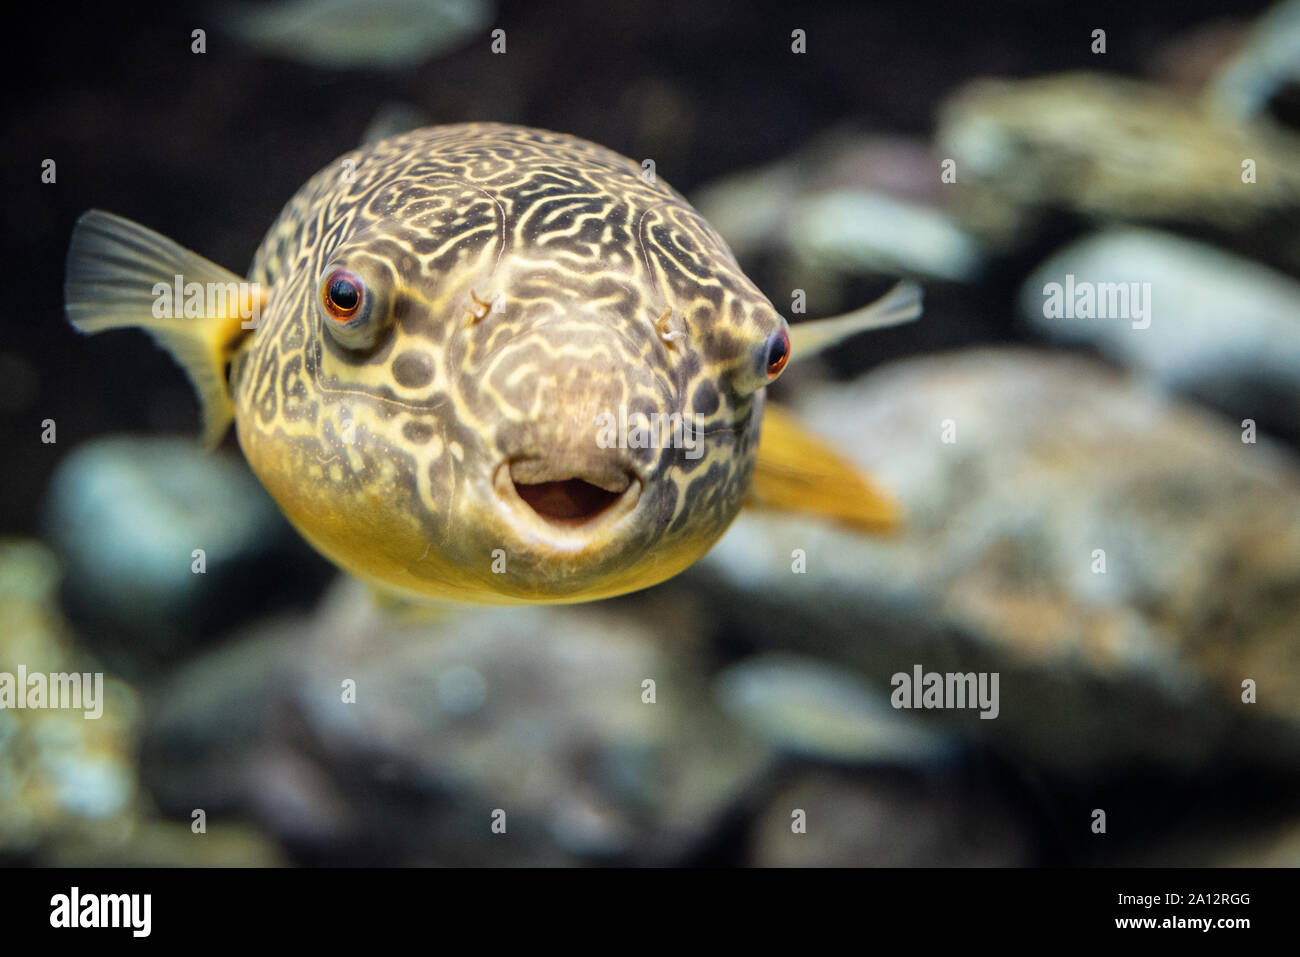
564 497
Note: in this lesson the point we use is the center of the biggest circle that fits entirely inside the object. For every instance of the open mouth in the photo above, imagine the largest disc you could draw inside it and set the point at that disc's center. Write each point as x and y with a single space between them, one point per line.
570 500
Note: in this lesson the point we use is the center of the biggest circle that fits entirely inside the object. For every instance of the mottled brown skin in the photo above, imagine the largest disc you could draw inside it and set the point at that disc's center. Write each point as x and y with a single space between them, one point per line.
528 279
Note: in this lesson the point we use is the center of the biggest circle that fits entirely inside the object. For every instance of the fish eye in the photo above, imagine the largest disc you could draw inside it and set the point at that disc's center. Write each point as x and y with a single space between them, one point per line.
778 352
341 294
762 361
353 310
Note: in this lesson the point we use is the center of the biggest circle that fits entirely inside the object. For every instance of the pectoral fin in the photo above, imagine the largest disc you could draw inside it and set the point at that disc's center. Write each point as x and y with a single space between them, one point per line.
799 472
407 611
121 274
901 304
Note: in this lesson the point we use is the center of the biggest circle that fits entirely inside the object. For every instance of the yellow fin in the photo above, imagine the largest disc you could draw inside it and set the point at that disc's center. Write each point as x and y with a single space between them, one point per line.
117 270
799 472
901 304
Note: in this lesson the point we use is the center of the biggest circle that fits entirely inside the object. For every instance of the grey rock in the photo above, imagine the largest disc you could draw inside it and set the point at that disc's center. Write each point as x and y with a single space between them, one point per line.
536 712
869 233
1221 328
813 709
751 208
845 205
1263 66
70 791
887 820
341 35
126 515
1053 459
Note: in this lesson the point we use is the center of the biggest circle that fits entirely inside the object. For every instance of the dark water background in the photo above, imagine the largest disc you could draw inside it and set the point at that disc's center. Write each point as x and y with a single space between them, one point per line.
207 148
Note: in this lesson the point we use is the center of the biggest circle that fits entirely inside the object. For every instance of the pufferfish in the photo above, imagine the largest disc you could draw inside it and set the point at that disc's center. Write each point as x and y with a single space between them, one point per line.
451 328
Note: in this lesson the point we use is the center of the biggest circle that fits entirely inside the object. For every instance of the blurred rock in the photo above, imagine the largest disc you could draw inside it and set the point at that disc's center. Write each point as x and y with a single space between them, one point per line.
1051 460
207 718
155 843
1192 58
888 820
537 712
859 232
126 515
845 205
358 34
751 208
69 788
808 708
1222 328
63 776
1116 150
1265 68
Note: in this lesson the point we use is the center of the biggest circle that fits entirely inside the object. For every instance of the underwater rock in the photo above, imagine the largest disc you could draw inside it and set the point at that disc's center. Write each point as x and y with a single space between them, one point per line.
164 544
861 232
69 787
1215 326
1109 149
1122 564
751 208
386 736
1265 67
1186 62
208 718
816 710
64 776
355 35
882 819
845 205
156 843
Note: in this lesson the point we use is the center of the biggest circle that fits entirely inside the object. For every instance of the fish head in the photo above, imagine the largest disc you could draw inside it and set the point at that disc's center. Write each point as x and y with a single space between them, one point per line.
467 406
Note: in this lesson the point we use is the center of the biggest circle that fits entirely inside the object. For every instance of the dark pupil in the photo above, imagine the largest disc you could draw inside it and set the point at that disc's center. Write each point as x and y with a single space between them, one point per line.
776 351
344 294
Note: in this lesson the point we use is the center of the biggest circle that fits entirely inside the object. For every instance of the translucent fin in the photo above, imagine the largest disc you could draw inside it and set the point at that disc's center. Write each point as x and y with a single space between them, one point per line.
901 304
114 266
798 472
409 611
394 119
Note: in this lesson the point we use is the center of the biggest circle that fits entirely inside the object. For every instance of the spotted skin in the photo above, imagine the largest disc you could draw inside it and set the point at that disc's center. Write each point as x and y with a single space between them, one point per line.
529 281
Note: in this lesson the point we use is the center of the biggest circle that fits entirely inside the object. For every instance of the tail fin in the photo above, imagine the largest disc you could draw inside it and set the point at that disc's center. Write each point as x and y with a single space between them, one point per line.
118 275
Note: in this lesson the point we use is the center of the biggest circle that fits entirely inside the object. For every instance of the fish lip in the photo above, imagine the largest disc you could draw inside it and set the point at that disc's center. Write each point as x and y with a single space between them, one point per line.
562 532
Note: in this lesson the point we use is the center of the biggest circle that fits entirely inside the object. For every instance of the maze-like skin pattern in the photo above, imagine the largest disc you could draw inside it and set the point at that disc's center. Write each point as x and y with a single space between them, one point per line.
531 281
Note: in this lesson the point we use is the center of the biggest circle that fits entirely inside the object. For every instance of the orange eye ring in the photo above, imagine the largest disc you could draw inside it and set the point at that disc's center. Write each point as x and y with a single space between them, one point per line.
342 293
778 353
